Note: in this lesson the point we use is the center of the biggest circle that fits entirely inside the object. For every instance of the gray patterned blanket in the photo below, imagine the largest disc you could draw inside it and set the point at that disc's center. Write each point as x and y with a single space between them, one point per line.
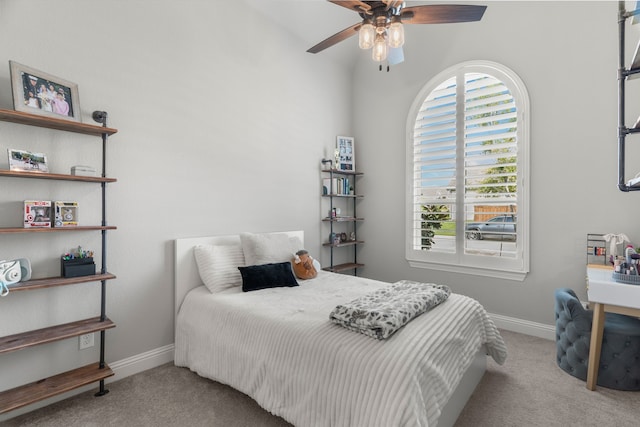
381 313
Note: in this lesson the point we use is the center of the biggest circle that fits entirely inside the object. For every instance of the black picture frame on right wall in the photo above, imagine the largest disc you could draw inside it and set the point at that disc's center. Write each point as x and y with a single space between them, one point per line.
345 154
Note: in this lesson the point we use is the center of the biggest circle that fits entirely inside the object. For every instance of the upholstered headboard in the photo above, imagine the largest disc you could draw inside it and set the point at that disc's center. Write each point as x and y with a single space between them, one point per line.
186 269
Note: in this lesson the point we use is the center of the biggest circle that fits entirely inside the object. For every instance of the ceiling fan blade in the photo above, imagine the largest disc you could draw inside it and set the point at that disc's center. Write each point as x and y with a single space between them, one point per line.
392 3
442 14
396 55
356 5
336 38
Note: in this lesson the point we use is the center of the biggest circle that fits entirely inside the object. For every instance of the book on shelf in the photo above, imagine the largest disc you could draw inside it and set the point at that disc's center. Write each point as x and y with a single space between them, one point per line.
344 186
334 186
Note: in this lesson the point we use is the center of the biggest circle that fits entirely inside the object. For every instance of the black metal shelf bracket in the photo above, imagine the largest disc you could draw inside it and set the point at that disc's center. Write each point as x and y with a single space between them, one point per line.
623 73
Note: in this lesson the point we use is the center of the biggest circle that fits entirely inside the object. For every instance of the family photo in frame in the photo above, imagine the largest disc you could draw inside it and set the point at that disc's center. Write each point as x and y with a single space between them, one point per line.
37 92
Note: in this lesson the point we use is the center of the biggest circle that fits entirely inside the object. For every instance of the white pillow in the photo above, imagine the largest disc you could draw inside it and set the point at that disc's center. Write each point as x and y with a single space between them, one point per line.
268 248
218 266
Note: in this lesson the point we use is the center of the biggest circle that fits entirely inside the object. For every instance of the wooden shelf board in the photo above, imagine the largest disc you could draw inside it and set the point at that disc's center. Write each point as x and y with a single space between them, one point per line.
22 118
55 176
48 387
6 230
341 172
343 267
601 266
53 333
343 219
49 282
341 244
353 196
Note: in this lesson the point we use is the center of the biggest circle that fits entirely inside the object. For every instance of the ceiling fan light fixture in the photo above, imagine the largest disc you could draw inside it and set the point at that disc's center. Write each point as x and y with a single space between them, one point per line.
366 35
382 24
379 52
396 34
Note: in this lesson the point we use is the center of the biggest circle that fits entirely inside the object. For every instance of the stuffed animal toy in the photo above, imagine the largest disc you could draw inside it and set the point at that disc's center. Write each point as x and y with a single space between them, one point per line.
303 265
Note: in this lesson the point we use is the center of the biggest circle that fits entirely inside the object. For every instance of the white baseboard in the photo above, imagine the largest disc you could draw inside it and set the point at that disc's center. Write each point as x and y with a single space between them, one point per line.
141 362
526 327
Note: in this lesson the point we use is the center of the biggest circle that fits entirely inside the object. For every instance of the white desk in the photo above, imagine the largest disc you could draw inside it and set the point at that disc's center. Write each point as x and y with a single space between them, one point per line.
607 296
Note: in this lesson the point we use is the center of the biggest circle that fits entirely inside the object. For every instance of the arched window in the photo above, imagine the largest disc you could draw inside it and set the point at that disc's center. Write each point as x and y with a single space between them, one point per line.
467 173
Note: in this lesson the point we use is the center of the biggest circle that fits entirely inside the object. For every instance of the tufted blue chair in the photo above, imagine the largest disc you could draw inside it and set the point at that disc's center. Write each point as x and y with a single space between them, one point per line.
620 356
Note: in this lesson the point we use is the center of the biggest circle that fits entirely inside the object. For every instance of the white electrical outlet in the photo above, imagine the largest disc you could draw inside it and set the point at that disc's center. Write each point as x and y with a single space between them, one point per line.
86 341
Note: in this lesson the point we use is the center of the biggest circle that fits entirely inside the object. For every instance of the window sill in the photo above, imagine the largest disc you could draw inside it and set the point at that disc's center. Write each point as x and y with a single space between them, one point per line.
474 271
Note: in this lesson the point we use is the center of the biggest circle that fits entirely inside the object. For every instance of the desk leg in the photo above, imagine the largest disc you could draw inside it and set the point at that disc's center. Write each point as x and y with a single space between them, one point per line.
597 328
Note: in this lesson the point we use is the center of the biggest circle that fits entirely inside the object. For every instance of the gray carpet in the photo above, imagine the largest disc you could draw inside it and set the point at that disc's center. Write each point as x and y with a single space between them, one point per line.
529 390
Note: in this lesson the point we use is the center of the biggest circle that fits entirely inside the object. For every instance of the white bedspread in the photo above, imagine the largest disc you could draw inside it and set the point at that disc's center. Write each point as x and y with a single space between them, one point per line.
279 347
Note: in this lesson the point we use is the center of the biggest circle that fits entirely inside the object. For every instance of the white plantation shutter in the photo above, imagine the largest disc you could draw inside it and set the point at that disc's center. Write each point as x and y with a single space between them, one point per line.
434 160
490 153
467 162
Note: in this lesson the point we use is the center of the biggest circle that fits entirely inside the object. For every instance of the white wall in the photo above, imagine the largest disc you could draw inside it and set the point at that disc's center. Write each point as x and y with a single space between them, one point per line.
222 120
566 53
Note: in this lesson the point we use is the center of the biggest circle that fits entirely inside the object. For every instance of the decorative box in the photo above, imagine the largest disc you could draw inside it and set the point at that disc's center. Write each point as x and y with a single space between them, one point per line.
78 267
66 214
37 213
83 171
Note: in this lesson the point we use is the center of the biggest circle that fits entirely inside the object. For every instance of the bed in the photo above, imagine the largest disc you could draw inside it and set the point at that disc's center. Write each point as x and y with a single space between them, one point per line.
278 346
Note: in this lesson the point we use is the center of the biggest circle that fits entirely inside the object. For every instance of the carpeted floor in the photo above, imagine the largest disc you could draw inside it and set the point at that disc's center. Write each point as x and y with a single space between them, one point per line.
529 390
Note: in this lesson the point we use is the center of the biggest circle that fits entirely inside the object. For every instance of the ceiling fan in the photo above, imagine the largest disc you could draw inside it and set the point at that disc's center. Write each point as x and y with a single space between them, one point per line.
382 28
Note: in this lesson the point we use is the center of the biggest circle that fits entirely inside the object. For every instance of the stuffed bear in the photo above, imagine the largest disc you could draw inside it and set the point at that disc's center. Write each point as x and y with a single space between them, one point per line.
303 266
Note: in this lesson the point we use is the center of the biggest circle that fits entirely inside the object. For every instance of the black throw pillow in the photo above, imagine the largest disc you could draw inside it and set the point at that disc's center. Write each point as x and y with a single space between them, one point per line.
274 275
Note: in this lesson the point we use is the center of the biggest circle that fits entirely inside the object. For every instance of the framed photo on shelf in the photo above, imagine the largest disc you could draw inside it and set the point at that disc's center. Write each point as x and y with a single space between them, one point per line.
36 92
345 154
20 160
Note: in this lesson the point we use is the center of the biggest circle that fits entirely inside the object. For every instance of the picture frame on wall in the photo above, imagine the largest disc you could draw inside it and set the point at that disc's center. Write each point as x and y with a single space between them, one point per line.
42 94
345 155
21 160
